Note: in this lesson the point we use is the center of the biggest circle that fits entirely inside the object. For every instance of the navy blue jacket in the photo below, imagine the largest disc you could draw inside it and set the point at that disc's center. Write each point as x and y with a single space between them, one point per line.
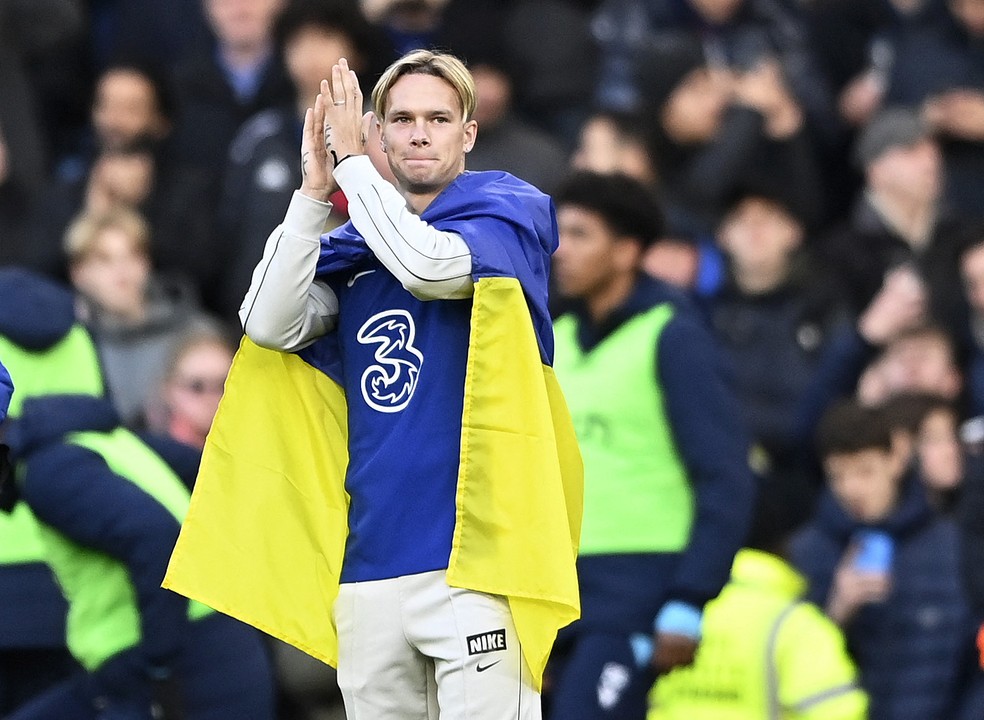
775 342
912 649
36 313
33 315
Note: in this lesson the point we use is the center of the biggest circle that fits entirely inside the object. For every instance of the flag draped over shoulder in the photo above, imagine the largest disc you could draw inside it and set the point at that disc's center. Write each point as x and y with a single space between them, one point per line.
264 537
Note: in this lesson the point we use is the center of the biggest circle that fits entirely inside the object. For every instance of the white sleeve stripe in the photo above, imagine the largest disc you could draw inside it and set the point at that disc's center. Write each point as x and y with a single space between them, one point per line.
396 255
259 286
407 242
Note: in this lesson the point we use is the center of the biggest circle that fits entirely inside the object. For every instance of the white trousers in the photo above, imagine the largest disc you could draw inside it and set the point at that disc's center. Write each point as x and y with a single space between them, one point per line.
412 648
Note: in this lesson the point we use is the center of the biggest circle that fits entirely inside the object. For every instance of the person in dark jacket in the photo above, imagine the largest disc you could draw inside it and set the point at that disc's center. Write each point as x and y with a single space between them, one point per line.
900 217
738 34
668 493
224 82
939 72
261 170
29 33
717 130
885 567
773 318
33 656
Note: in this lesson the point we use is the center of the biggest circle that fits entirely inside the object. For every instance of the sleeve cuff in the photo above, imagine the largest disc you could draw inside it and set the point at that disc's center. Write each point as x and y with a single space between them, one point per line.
358 169
679 618
306 216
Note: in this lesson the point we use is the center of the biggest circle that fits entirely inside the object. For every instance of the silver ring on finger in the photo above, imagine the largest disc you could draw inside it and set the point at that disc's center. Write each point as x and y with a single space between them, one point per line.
338 102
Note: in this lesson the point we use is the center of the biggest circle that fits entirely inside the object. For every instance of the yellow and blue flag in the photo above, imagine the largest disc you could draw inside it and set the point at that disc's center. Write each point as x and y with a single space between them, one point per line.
265 535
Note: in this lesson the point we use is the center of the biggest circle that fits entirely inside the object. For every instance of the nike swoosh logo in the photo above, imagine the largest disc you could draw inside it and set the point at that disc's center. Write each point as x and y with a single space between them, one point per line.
351 280
481 668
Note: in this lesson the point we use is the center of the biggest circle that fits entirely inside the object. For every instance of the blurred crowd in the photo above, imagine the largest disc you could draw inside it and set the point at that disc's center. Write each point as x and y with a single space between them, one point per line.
819 165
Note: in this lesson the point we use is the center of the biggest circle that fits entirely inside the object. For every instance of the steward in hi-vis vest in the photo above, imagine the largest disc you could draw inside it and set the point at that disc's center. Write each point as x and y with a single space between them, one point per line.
766 654
106 511
667 489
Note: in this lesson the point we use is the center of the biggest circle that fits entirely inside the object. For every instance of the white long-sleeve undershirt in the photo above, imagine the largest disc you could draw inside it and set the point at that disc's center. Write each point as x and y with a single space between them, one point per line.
287 309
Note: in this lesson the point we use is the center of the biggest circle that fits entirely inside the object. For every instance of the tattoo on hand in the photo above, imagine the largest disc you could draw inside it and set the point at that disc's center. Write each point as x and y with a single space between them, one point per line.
304 159
328 148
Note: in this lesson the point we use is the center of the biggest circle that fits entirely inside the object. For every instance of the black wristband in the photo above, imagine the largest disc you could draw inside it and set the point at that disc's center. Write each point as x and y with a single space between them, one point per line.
334 157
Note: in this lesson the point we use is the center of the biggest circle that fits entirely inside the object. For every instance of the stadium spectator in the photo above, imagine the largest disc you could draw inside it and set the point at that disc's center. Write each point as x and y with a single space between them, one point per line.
899 216
233 75
136 317
262 169
773 319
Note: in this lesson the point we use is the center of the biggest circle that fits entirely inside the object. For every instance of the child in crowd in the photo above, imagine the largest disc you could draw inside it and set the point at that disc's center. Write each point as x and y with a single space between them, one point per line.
884 564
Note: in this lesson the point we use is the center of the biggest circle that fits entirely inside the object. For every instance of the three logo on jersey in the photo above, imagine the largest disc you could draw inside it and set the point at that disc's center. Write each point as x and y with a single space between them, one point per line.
389 384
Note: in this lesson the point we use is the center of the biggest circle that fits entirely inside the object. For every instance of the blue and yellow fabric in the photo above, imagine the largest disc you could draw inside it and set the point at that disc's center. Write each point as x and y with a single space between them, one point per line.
264 537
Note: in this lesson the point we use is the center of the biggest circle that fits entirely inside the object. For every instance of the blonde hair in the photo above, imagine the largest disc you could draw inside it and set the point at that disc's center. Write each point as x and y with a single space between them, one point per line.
205 333
425 62
88 225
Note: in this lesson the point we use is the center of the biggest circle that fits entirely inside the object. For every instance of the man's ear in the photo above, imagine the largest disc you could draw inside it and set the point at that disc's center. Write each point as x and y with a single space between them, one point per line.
372 126
628 252
471 132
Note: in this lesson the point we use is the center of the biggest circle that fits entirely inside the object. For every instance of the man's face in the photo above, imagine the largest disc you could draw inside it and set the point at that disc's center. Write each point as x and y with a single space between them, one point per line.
424 134
125 110
114 273
493 90
242 23
590 255
759 232
913 171
865 482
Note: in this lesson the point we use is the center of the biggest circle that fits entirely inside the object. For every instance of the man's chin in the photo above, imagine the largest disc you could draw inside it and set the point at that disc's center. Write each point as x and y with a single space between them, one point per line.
416 186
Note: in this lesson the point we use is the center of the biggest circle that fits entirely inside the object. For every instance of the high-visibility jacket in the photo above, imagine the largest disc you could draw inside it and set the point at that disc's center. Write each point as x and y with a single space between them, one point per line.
637 496
765 655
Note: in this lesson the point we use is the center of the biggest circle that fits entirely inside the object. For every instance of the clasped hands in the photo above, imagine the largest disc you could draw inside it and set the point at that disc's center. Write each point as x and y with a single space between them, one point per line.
334 130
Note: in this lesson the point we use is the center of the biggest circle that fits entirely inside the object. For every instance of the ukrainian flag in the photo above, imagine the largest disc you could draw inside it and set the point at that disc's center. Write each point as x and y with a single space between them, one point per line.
264 537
